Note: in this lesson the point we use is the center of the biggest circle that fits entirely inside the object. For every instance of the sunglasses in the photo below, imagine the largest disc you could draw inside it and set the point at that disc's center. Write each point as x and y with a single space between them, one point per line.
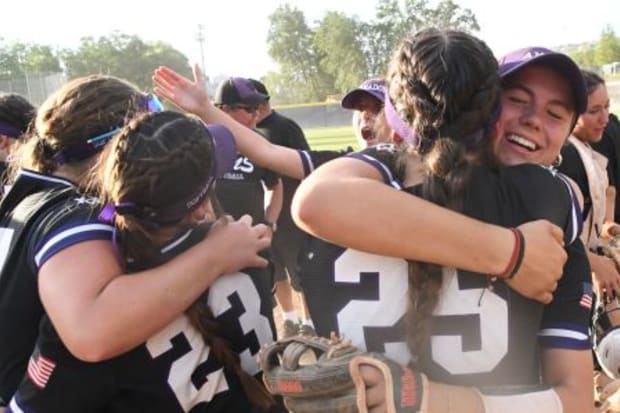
249 109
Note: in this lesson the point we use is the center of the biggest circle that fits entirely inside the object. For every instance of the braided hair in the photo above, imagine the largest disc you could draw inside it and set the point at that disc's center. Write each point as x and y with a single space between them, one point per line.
445 85
81 109
157 159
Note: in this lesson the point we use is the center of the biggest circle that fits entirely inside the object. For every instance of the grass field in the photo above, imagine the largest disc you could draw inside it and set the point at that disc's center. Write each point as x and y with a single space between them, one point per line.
330 138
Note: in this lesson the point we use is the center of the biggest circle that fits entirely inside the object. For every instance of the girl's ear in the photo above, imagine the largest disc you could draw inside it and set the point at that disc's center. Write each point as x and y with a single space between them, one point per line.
203 212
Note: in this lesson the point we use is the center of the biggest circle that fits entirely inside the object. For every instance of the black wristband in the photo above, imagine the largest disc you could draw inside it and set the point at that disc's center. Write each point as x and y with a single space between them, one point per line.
521 252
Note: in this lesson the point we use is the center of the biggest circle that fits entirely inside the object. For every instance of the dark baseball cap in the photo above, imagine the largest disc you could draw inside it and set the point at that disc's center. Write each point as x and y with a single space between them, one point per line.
236 90
259 86
374 88
518 59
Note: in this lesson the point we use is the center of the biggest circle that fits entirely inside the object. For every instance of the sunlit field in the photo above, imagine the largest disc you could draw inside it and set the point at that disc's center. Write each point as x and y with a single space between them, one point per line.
327 138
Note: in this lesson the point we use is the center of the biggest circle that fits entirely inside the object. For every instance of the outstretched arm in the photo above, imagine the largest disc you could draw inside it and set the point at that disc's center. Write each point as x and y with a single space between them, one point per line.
192 97
374 217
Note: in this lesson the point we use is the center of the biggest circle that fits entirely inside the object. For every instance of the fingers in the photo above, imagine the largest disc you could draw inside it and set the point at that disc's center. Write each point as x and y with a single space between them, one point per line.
259 262
371 375
245 219
375 397
198 75
557 234
168 75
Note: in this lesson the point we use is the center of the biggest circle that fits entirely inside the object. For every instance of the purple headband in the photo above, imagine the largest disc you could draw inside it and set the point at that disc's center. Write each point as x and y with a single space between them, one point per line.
162 216
224 156
398 125
9 130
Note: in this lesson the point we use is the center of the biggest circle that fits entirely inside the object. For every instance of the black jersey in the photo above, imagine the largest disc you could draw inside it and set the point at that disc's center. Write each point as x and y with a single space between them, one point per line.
173 371
572 166
347 290
310 160
609 145
287 240
24 212
480 336
241 190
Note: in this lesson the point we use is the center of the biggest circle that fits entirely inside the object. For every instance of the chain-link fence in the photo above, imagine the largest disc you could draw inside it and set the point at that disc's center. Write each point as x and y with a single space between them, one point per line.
34 86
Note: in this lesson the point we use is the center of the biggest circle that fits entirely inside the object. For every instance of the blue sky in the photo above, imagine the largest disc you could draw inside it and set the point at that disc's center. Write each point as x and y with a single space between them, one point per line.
236 30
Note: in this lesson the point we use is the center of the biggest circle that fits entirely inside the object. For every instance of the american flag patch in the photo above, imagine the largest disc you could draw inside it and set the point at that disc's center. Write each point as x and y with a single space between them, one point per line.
40 370
586 298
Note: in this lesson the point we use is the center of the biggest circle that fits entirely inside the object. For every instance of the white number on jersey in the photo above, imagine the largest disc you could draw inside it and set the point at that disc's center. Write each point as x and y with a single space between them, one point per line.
387 311
180 336
243 164
492 311
251 321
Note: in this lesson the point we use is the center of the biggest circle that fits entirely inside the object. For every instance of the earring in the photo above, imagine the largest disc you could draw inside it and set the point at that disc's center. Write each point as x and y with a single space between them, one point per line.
557 161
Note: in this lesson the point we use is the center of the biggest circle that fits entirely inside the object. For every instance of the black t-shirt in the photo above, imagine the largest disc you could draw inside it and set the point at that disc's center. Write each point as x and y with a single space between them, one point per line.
284 131
480 337
572 166
241 191
173 371
609 146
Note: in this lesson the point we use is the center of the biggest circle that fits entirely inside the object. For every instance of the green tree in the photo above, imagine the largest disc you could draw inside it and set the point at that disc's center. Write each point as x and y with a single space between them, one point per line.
608 47
290 43
380 36
337 38
18 58
394 19
449 15
585 56
124 56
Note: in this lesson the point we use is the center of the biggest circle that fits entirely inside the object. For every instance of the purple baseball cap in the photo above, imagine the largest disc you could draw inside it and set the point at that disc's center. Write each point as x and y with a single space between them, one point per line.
224 149
375 88
518 59
238 90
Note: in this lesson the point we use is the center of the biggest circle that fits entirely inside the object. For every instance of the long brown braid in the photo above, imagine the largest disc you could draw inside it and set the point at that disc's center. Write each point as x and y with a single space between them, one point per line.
157 159
81 109
445 84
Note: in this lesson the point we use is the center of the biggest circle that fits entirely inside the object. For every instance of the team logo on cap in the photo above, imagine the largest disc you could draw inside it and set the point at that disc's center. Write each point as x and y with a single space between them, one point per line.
534 52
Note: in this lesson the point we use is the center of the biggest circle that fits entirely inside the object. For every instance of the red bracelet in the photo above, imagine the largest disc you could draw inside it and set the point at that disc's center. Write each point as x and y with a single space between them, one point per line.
517 255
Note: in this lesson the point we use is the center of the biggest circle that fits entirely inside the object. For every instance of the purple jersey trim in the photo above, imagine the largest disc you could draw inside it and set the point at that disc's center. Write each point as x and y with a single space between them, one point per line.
306 162
67 237
385 172
565 335
13 407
